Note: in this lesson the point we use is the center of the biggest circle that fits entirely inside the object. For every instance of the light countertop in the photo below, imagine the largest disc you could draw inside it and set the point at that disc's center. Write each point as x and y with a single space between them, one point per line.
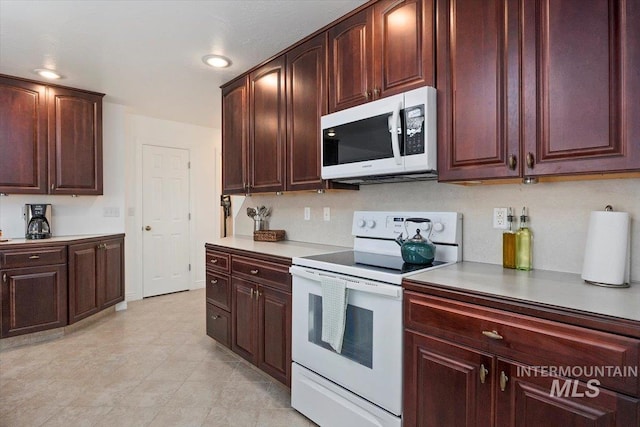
284 248
55 239
565 290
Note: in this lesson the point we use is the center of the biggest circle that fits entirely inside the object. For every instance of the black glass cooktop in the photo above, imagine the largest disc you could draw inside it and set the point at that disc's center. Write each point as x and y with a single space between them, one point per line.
371 261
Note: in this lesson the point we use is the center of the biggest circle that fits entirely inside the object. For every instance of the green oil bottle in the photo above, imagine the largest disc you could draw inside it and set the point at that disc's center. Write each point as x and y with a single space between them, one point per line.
524 239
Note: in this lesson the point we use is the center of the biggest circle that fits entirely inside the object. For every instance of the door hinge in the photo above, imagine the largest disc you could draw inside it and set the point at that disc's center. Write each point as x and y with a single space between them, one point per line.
189 267
188 165
189 216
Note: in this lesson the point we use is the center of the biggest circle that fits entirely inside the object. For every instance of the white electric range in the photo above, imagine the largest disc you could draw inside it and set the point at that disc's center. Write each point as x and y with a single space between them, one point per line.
361 385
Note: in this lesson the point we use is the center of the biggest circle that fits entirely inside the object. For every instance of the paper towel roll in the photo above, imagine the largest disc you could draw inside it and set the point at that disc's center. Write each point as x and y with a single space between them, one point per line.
606 255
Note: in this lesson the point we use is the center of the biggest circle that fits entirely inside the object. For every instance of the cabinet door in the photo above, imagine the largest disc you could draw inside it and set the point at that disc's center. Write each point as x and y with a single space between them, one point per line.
478 87
111 272
535 400
446 384
84 297
23 137
306 102
581 86
244 325
235 129
75 142
351 62
267 119
33 299
403 44
274 332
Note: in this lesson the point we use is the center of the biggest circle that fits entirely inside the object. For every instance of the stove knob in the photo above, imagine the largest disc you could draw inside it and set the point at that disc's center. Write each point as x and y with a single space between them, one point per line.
371 223
438 226
362 223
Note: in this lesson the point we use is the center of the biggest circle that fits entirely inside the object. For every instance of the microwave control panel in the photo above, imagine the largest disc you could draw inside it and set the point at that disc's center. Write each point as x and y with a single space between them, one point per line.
414 137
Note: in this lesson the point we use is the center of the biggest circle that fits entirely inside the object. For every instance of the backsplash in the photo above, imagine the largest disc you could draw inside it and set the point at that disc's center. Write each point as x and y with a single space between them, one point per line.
559 215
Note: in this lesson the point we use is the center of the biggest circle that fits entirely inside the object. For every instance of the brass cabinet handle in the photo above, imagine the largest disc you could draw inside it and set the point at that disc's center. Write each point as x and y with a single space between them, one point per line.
4 277
252 292
34 257
512 162
367 94
483 373
213 282
53 186
256 271
503 381
530 160
257 294
214 261
215 317
376 92
494 335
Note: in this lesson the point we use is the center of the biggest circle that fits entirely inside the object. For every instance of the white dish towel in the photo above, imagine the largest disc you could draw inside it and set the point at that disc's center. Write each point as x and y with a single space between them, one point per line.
334 311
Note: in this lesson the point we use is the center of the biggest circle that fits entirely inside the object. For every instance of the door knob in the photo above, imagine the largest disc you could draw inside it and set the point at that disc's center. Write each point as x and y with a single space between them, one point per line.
148 228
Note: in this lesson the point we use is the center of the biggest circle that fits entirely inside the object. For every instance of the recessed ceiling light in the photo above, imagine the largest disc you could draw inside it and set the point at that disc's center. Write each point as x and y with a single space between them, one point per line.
47 74
216 61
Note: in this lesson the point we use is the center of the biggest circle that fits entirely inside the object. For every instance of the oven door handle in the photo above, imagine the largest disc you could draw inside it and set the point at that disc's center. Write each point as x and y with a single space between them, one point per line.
360 285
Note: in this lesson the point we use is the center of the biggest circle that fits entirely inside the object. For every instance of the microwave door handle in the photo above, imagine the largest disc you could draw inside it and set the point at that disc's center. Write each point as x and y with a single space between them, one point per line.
394 124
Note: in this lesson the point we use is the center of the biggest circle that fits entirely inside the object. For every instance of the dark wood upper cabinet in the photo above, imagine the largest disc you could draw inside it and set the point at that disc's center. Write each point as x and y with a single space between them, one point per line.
581 86
23 137
235 136
385 49
403 45
351 61
537 88
75 142
50 139
478 95
267 127
306 103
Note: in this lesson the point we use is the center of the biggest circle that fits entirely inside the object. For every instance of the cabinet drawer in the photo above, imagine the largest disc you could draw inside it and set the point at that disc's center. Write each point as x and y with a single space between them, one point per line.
218 324
218 261
218 290
533 341
33 257
262 271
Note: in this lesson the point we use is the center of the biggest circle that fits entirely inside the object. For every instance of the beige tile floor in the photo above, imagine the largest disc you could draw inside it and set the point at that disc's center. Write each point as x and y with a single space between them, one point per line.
151 365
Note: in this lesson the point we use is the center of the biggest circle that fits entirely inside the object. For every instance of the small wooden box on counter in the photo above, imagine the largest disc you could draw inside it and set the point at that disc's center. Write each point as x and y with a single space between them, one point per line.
268 235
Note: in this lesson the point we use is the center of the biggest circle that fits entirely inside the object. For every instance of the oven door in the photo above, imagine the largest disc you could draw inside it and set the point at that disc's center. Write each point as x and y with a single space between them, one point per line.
370 364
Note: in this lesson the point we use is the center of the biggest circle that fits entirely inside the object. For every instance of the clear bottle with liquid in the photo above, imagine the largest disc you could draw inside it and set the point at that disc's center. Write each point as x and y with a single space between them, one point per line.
524 240
509 244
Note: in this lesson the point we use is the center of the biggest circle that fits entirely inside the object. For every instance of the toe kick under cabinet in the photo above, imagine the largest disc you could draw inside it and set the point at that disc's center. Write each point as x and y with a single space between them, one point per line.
480 361
249 307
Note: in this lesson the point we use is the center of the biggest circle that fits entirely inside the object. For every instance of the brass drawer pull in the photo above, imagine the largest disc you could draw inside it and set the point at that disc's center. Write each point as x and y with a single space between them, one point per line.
494 335
530 160
215 317
34 257
213 282
483 373
214 261
512 162
503 381
4 277
257 294
254 271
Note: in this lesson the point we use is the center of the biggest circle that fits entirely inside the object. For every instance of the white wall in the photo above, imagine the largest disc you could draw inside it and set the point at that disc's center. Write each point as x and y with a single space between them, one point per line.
123 136
204 148
559 215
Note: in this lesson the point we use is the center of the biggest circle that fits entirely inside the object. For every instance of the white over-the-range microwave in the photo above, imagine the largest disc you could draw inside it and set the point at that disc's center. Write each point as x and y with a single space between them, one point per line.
388 140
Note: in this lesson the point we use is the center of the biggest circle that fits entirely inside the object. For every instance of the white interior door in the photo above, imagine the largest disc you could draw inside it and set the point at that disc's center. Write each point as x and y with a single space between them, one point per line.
165 205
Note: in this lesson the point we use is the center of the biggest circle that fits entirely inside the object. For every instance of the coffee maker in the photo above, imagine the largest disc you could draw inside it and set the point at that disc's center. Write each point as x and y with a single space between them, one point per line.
37 221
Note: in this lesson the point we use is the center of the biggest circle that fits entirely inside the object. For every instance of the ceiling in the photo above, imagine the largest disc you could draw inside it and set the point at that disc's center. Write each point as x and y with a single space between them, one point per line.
147 54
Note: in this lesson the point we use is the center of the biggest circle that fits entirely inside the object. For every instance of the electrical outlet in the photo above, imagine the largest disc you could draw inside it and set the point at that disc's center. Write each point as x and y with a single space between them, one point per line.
307 214
500 218
326 214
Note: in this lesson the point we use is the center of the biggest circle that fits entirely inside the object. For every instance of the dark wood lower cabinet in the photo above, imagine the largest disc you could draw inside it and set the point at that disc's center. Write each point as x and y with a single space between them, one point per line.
249 307
468 365
33 299
96 277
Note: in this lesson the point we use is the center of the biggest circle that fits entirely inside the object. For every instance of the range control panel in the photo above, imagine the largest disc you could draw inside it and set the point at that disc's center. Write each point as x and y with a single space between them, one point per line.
445 227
